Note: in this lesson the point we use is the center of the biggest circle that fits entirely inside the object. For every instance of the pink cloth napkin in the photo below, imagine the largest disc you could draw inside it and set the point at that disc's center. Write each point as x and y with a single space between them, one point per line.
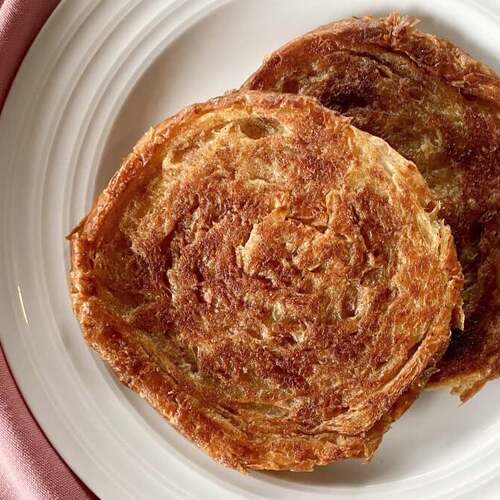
29 467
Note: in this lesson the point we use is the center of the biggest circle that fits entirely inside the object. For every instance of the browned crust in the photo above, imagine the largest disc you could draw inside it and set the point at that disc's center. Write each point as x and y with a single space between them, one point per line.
474 356
396 33
228 439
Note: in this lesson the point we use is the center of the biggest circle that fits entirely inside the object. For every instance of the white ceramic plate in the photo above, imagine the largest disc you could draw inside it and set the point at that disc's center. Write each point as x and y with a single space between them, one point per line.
99 74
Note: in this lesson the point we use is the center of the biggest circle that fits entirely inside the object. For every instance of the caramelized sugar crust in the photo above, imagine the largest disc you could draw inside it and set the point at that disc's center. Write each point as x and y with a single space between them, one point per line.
439 108
274 281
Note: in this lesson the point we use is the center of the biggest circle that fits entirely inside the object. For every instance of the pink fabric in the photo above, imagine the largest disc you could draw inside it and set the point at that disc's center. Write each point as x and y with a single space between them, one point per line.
20 21
29 467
